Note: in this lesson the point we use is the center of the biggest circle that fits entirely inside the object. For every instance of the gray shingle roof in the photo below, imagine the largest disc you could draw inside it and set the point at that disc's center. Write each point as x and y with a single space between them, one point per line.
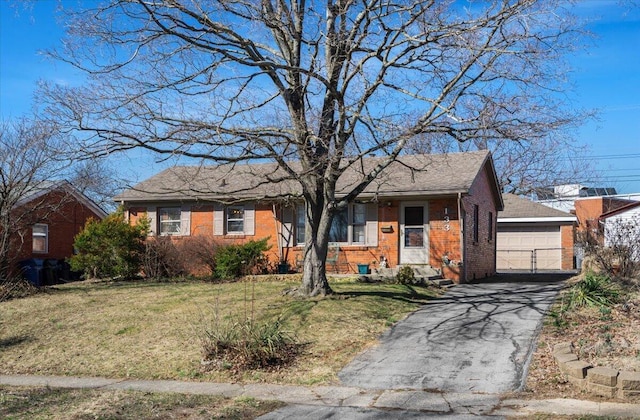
410 175
519 207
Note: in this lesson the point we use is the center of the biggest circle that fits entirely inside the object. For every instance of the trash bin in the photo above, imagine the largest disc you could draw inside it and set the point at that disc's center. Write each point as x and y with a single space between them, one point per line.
363 268
32 270
50 272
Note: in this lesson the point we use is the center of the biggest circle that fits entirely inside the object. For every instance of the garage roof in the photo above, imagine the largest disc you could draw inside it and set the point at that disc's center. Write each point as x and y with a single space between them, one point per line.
520 209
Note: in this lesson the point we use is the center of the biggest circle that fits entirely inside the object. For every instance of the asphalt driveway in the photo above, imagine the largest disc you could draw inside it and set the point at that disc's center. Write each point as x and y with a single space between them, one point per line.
476 338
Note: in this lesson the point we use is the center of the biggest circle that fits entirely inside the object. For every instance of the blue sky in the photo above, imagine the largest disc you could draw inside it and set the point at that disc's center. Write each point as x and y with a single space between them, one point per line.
605 77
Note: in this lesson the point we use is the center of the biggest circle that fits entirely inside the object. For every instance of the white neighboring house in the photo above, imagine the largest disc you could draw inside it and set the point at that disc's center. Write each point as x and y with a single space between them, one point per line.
622 227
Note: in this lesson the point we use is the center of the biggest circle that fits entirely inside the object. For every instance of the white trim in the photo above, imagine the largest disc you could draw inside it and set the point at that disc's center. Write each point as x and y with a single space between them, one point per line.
536 219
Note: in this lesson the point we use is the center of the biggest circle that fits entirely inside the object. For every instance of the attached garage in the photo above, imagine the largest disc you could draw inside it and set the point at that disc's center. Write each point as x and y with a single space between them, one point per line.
533 237
529 247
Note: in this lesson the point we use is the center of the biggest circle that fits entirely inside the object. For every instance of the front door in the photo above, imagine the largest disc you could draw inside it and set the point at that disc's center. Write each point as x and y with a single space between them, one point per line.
414 238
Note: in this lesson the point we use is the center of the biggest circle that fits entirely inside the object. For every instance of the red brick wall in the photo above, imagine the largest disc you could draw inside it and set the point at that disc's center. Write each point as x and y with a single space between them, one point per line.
202 220
480 256
444 236
63 225
566 238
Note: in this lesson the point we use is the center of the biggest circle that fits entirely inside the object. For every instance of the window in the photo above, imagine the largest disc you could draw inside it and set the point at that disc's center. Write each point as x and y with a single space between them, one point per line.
339 231
348 226
358 223
40 238
169 221
300 223
235 219
238 219
476 219
490 233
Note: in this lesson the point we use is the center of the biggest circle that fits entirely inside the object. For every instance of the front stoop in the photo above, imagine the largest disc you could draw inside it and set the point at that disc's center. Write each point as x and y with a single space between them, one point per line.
425 274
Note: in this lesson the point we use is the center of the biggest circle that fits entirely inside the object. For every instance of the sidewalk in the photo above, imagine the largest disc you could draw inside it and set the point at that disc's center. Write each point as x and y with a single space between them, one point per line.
486 405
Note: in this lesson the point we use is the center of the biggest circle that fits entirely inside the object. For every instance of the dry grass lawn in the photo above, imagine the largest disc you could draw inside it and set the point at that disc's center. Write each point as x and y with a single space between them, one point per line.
47 403
153 330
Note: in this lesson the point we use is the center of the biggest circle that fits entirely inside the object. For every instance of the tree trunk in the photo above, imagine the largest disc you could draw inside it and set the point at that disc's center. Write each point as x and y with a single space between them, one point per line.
314 275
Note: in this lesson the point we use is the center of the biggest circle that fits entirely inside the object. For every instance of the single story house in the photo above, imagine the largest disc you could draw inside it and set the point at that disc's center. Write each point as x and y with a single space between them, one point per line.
428 210
50 216
534 237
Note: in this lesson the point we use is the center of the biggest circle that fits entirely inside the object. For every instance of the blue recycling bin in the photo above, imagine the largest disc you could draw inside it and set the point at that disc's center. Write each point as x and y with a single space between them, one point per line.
32 270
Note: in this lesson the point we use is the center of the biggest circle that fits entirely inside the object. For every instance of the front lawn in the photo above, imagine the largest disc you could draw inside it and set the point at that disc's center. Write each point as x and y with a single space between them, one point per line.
153 330
45 403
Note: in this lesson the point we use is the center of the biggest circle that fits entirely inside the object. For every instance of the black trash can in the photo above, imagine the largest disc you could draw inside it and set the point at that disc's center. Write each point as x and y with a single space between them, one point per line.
51 272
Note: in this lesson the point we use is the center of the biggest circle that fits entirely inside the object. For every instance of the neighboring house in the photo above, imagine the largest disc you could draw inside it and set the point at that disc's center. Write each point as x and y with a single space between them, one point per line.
534 237
590 210
622 226
57 212
436 210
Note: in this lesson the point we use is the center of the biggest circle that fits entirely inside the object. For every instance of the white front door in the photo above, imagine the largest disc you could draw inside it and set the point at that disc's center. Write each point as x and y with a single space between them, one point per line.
414 235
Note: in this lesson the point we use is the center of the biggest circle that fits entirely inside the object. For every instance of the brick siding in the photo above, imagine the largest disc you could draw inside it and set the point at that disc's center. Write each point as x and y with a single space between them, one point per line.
480 255
63 225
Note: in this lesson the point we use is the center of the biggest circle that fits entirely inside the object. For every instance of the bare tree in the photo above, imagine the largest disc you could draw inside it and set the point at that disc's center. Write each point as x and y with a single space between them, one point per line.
34 160
322 84
28 161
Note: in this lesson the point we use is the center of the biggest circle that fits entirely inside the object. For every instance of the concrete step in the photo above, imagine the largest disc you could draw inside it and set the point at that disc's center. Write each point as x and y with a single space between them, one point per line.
418 270
423 274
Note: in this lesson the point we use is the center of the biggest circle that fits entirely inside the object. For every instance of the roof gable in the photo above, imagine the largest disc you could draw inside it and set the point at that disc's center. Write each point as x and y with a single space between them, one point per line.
46 187
621 210
410 175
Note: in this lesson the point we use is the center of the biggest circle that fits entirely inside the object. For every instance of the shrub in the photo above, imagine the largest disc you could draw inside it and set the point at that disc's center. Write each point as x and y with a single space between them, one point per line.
16 288
406 275
619 253
593 290
233 261
110 247
202 249
162 258
243 345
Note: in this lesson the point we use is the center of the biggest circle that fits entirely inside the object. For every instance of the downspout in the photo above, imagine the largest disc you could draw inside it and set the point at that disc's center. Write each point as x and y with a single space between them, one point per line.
463 271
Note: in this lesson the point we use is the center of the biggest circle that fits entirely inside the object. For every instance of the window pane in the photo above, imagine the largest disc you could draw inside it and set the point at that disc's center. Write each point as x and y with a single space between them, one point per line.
39 244
235 219
476 219
414 237
169 221
339 227
359 214
358 234
414 216
170 227
39 230
300 223
39 238
235 226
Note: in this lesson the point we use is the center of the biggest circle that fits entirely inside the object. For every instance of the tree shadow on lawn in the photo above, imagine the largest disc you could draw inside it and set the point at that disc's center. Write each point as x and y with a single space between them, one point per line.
14 340
413 294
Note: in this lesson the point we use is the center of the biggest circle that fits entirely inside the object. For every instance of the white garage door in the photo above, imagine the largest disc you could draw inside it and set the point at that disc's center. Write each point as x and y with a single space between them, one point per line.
523 247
